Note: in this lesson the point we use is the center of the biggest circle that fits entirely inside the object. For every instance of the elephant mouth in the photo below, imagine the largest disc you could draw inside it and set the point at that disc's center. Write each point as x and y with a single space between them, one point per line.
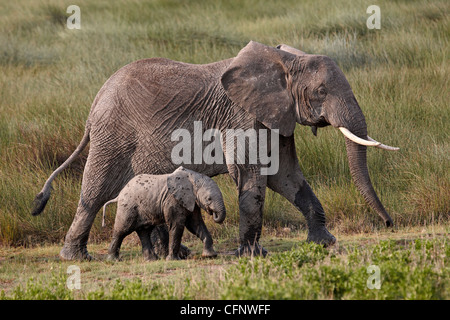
217 216
212 213
321 123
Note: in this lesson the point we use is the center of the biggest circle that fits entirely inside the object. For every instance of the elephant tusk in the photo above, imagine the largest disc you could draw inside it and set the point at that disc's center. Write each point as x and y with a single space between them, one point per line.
383 146
358 140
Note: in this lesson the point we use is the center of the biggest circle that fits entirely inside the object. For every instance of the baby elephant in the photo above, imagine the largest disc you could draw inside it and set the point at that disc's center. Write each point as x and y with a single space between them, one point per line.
175 199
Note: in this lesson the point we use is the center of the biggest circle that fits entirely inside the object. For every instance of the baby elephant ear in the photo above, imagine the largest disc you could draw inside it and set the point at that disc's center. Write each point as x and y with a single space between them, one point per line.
180 186
257 80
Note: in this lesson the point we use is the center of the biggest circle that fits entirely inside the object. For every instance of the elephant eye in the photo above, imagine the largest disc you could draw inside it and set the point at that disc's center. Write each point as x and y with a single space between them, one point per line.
322 91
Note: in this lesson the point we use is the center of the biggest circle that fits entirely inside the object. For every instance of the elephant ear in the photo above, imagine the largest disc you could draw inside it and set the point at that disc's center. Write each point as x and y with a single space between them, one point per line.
289 49
180 186
258 81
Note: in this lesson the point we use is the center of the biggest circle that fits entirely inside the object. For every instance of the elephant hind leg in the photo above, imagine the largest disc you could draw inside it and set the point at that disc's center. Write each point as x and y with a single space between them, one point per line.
116 243
100 184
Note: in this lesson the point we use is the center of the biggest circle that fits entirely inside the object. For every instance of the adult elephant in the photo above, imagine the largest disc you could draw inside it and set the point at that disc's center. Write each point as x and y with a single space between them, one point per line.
138 108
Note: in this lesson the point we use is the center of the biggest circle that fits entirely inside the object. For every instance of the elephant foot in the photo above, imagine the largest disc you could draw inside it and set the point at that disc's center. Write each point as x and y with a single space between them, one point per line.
163 251
74 252
321 236
151 257
112 257
184 252
160 240
209 253
250 250
171 257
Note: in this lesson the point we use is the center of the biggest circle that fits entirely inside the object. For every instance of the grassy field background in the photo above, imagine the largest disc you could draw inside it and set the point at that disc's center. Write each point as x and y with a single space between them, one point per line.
49 76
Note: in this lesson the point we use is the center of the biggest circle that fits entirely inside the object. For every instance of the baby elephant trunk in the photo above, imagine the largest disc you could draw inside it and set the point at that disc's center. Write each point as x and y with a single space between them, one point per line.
209 197
219 212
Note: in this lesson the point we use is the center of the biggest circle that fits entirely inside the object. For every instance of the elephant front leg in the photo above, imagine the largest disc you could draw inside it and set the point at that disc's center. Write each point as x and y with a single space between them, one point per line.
196 226
306 201
252 191
175 223
160 241
175 234
290 183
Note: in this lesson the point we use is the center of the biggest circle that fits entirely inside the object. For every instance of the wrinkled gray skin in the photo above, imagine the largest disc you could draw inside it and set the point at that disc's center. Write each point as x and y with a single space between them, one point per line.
174 199
135 112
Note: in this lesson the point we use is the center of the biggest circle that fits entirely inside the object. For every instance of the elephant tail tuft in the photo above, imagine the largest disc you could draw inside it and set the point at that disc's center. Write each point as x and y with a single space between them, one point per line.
40 201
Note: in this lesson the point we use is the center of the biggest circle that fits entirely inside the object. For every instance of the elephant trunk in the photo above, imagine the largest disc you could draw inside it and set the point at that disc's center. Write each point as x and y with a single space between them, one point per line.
352 124
219 212
357 160
206 185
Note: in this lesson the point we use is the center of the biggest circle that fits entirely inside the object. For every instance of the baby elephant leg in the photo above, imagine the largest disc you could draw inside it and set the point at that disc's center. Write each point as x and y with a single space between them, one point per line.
175 234
196 225
123 226
147 246
114 247
160 241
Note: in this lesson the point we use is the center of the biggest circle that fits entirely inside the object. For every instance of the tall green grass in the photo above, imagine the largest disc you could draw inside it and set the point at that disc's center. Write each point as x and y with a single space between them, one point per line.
399 74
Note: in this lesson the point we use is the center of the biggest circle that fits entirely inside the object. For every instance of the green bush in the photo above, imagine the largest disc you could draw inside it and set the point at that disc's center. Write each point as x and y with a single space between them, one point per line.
311 272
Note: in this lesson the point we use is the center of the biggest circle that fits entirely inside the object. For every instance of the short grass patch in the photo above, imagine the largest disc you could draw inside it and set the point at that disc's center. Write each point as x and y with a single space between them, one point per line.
411 264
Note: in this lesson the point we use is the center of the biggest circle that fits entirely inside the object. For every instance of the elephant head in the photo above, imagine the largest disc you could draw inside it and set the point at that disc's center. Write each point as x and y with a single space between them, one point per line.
283 86
190 188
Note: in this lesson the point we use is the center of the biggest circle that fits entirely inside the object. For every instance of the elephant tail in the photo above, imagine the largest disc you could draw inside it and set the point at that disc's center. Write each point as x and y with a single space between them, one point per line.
41 199
104 210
